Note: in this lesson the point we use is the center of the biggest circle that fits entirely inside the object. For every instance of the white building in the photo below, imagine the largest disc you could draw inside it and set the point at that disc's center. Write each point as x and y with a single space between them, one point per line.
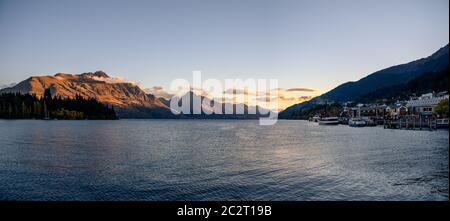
425 104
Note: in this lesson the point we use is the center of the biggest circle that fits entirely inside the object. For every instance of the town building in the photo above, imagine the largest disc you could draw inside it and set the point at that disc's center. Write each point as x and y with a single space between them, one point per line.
425 104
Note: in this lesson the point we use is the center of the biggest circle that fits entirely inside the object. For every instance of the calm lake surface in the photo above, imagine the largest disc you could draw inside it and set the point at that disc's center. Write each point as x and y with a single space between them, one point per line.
218 160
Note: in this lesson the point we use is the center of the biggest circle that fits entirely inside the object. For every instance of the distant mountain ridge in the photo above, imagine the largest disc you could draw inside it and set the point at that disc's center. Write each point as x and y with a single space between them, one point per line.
394 75
250 112
389 77
426 83
129 100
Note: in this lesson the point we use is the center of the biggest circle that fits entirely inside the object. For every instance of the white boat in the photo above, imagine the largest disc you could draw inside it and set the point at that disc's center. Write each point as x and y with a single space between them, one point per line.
370 122
357 122
315 118
329 121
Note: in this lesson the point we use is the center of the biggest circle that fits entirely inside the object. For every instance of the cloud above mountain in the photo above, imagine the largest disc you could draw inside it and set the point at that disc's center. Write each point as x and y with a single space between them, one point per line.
113 80
299 89
281 96
7 85
158 91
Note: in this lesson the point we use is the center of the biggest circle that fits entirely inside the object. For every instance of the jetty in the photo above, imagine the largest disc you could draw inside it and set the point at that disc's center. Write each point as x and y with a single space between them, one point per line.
411 123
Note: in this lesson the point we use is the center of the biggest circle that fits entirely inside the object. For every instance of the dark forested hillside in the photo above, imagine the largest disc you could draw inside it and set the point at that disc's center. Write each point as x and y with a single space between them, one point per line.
400 74
396 82
429 82
26 106
323 110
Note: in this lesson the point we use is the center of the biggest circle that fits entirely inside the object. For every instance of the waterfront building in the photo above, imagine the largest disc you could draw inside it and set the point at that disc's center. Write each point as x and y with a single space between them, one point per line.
425 104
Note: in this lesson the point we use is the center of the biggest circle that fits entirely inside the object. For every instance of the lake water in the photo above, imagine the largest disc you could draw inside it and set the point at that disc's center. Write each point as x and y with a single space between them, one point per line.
218 160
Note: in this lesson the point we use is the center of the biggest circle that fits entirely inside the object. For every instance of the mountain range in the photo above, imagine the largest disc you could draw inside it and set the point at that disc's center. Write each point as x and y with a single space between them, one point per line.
394 76
128 99
250 112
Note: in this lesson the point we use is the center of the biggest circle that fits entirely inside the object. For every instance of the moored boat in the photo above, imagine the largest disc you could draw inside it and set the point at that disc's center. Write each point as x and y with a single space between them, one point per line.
315 118
329 121
370 122
357 122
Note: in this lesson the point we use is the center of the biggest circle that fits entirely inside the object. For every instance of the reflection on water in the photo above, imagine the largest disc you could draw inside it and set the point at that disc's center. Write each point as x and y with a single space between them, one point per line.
218 160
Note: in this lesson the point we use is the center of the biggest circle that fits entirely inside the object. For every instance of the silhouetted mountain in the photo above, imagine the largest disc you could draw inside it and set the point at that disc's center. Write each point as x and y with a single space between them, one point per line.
386 79
250 112
426 83
395 75
128 99
292 111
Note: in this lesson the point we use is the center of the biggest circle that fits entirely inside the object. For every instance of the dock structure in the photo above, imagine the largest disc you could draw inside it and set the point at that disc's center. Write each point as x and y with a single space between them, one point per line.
411 123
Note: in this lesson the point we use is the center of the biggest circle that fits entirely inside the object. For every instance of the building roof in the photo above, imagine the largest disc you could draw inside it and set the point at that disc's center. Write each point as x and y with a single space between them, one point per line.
425 101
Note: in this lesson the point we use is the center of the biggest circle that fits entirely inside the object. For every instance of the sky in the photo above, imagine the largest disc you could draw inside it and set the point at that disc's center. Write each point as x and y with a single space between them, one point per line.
313 44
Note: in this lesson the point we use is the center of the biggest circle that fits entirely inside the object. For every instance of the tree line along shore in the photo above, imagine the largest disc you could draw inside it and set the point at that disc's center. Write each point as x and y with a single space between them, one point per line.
28 106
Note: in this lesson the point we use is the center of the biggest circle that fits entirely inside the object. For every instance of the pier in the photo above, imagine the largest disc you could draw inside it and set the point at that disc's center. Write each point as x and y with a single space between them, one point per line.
411 123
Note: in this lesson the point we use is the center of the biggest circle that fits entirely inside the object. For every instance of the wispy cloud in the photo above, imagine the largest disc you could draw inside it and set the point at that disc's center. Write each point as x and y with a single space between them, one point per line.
248 92
300 89
7 85
306 97
158 91
238 92
111 80
282 96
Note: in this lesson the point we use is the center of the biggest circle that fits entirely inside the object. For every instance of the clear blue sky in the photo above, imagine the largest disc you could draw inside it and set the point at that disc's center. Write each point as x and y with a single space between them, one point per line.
313 44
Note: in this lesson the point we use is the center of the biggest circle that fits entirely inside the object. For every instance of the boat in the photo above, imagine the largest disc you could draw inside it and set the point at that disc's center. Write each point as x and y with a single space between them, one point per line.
442 123
343 120
315 118
329 121
370 122
357 122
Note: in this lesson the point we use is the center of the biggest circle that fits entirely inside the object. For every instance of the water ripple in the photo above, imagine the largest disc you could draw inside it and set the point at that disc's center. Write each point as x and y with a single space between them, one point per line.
218 160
